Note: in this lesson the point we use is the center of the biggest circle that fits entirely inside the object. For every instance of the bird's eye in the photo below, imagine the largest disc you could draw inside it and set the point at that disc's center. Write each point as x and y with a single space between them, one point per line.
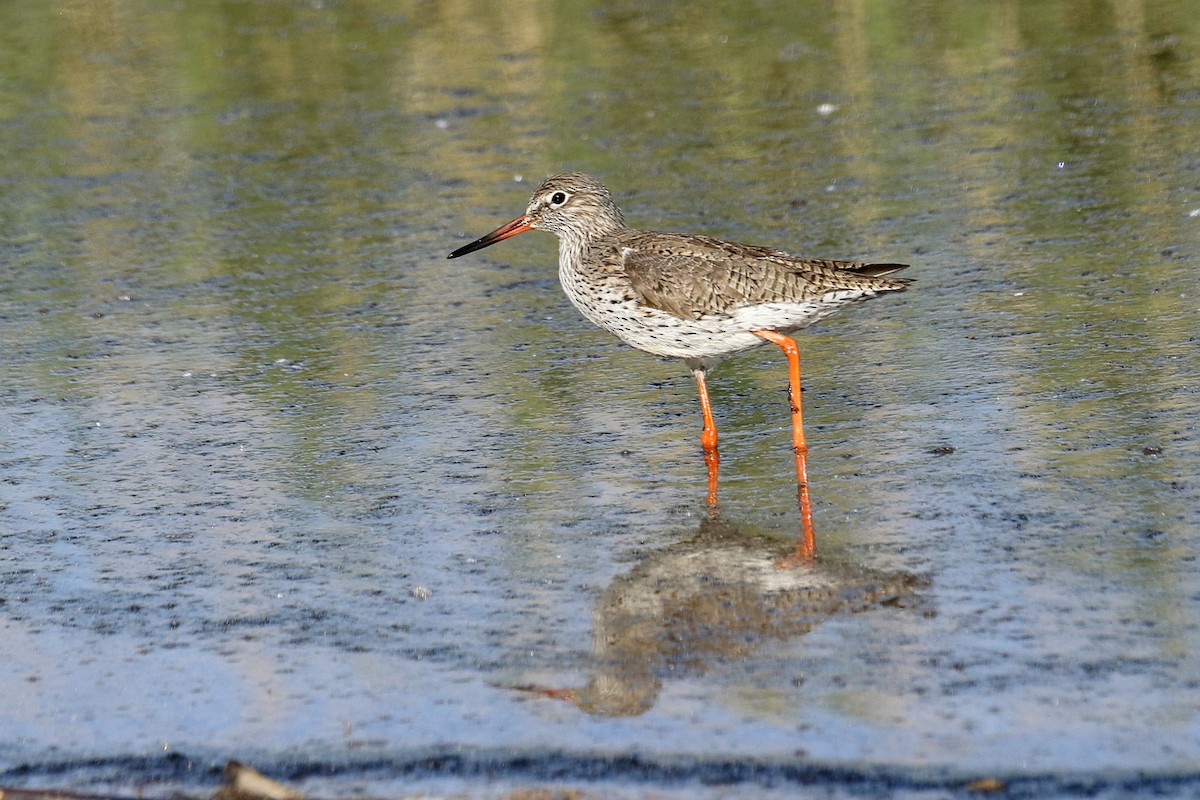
558 198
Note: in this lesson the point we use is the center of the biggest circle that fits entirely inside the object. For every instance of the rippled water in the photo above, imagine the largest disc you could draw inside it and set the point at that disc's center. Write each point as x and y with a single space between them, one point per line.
281 483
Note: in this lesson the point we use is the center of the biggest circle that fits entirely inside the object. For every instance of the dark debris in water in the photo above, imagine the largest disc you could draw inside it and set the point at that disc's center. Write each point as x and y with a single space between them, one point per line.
526 774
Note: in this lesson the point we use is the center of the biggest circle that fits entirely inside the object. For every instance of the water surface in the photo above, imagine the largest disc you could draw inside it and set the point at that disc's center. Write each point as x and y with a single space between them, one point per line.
281 483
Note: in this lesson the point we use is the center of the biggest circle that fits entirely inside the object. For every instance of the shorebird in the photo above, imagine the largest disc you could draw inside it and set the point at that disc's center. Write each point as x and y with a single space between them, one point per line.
691 297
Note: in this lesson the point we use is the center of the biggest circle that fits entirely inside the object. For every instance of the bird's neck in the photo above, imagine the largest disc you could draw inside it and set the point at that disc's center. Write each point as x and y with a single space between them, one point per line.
574 243
571 252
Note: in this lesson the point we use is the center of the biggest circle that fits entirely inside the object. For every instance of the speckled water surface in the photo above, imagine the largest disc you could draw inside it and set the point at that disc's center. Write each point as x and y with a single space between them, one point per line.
278 482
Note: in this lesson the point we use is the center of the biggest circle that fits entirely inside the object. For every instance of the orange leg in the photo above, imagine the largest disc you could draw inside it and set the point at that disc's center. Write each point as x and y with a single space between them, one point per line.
708 438
808 541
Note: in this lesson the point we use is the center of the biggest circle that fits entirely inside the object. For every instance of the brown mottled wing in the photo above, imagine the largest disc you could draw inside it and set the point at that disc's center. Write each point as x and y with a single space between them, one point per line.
691 276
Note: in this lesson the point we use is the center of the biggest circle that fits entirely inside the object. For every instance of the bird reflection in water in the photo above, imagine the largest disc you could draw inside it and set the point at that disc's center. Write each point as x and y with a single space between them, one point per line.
716 597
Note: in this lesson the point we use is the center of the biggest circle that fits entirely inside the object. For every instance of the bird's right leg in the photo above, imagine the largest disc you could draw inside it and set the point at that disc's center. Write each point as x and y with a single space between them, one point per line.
807 546
708 437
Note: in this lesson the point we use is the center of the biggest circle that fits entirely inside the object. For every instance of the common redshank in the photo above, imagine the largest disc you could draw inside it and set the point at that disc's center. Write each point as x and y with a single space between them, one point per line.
691 297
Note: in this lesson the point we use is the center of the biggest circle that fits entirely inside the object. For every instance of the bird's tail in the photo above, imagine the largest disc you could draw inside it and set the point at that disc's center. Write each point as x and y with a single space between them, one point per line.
877 270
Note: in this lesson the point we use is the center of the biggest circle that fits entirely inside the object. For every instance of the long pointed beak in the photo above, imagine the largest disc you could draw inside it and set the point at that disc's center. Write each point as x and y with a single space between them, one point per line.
518 225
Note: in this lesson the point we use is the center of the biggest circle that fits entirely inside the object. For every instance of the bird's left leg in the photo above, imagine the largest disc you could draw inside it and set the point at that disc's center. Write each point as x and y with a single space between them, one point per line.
708 437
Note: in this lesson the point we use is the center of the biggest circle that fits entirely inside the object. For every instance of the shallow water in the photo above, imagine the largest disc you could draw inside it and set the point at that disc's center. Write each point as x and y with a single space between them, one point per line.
281 483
